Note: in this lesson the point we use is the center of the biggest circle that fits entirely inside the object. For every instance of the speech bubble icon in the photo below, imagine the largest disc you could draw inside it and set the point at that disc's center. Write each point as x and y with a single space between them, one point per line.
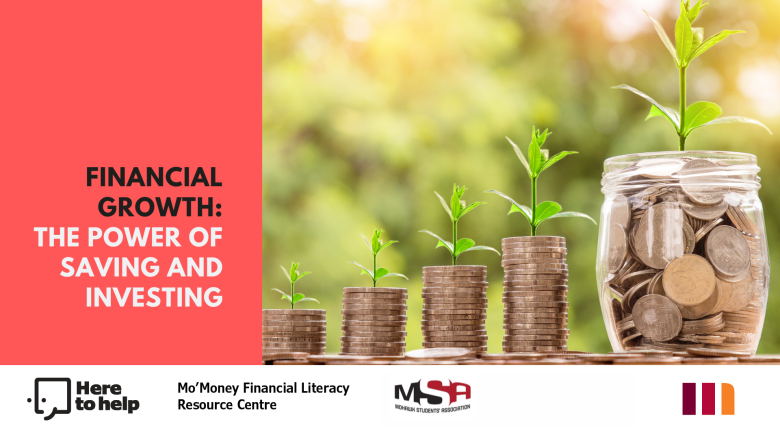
52 396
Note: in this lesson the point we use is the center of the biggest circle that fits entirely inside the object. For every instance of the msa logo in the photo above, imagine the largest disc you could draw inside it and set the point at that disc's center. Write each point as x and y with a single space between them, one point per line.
434 393
707 398
53 397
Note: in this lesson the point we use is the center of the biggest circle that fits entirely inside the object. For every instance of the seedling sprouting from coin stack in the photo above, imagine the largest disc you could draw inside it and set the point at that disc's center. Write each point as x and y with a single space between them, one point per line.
535 271
681 258
374 319
292 330
454 297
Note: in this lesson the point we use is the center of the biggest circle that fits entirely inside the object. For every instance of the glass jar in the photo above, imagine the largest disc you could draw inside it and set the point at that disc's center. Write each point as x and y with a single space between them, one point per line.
682 256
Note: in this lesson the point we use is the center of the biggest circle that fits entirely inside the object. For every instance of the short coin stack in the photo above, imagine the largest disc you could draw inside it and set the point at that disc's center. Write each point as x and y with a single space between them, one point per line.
454 307
374 321
535 286
293 330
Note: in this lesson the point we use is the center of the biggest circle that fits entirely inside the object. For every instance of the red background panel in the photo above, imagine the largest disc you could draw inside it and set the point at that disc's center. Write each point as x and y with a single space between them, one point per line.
137 83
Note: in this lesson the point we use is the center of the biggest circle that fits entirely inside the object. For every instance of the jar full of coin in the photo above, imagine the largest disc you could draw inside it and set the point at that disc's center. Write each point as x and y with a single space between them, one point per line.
682 259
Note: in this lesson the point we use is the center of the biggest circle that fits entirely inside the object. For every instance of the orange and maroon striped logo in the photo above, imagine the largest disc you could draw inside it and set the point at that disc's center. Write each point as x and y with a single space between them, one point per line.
708 398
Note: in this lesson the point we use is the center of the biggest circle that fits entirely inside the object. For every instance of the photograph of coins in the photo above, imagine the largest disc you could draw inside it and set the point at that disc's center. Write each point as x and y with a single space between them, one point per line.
369 107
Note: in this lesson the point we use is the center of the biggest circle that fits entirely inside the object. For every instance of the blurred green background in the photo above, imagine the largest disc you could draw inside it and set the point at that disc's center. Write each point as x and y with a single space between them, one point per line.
370 106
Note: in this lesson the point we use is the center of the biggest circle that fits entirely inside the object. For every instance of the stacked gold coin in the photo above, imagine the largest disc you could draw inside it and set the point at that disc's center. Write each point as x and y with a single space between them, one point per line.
686 260
373 321
454 307
293 330
535 286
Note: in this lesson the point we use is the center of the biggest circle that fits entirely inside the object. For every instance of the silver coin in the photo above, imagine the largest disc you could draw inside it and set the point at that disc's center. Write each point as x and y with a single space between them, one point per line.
660 237
657 317
728 252
617 252
698 185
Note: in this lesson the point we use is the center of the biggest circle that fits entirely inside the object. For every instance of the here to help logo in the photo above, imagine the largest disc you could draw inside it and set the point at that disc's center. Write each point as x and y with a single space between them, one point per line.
434 394
53 397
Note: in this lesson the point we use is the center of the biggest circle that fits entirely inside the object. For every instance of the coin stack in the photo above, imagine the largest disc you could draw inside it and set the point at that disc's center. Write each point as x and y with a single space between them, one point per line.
293 330
535 286
686 261
454 307
373 321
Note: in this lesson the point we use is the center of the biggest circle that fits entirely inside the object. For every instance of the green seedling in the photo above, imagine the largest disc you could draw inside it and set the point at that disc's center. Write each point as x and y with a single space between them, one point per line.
538 161
375 246
293 276
456 210
689 44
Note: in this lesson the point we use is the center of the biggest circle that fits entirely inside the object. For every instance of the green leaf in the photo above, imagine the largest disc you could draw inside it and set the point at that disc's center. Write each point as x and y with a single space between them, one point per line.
525 210
674 118
693 12
516 207
455 204
308 299
683 37
397 274
666 112
734 120
698 37
520 156
386 244
381 272
366 271
375 242
462 245
664 38
367 243
301 275
444 203
297 298
712 41
572 215
699 114
556 158
470 207
442 242
534 157
482 248
284 296
545 210
286 274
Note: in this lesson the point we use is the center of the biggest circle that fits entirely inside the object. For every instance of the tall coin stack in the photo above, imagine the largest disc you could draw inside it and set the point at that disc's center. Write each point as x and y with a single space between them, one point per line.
374 321
294 330
454 306
535 286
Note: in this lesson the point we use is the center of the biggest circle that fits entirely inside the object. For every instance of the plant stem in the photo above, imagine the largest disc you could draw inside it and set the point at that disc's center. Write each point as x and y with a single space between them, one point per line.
454 241
374 277
683 97
533 206
292 294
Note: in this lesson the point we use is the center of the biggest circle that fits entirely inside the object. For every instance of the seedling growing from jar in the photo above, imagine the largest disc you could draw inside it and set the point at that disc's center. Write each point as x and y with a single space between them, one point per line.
375 246
456 210
293 276
689 44
538 161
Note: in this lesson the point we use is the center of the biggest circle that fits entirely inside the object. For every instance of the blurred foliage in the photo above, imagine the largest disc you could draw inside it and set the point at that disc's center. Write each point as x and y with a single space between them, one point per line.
370 106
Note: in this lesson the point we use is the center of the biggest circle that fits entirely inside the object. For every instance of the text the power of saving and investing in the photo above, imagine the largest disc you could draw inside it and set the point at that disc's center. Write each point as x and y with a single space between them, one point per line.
249 389
196 180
